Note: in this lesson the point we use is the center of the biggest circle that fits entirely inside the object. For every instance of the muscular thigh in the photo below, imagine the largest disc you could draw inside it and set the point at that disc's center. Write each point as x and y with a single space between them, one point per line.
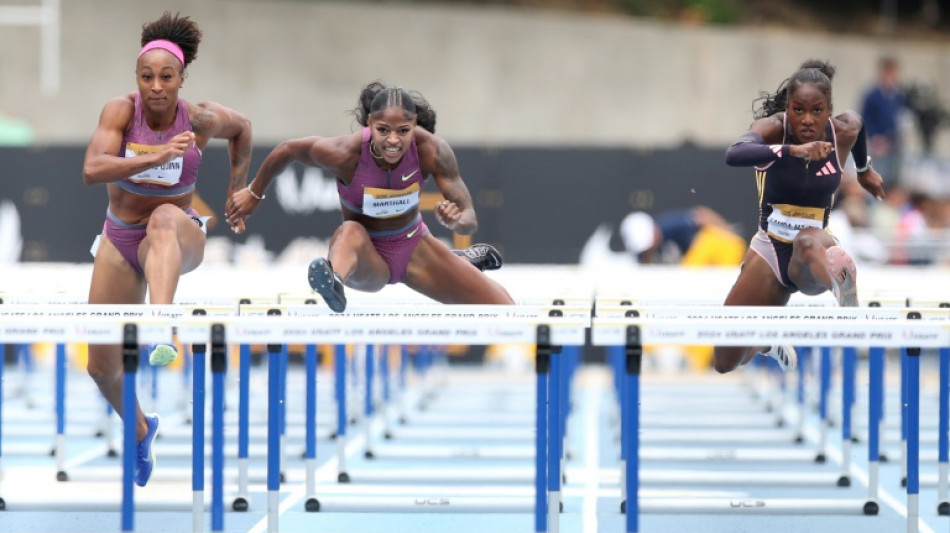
441 275
191 241
756 284
114 281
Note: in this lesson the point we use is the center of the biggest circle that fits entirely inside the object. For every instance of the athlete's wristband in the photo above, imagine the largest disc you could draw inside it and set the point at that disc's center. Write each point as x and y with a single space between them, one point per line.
256 197
866 166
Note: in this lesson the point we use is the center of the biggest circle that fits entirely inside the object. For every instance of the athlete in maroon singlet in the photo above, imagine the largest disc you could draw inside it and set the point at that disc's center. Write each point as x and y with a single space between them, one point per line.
380 171
147 148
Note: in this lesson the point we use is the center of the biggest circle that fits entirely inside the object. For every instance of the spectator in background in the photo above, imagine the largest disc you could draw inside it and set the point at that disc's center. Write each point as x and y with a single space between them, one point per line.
881 109
696 236
921 232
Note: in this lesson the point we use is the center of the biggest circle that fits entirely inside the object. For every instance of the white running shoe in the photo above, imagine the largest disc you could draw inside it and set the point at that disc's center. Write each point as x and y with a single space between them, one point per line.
786 356
844 276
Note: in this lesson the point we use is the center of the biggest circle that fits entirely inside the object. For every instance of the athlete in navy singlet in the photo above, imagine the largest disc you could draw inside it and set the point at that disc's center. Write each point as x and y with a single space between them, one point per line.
797 149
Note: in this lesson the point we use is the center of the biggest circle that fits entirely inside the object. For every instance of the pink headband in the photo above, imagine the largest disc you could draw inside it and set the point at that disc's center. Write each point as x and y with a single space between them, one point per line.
164 45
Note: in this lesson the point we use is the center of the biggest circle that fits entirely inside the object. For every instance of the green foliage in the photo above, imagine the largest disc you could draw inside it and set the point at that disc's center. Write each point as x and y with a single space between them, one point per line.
701 11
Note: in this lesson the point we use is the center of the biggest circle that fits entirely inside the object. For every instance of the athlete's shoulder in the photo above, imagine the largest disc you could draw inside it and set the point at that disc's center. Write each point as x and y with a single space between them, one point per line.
429 144
120 103
771 128
849 120
118 111
337 152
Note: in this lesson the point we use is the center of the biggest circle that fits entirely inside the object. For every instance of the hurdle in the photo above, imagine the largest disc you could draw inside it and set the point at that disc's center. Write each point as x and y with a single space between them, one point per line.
556 331
842 327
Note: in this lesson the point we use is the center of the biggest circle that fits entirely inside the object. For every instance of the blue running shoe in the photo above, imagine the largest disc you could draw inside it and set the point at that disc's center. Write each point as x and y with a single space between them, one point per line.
145 462
325 281
162 354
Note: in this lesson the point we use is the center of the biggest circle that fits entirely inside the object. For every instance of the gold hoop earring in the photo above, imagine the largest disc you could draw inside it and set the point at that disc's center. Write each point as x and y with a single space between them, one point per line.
372 152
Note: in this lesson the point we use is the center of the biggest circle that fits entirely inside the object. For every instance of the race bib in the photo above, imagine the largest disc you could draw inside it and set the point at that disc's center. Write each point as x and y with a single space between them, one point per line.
787 220
167 174
387 203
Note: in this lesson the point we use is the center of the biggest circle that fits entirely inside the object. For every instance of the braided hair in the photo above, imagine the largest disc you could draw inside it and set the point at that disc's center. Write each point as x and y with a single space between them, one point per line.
377 97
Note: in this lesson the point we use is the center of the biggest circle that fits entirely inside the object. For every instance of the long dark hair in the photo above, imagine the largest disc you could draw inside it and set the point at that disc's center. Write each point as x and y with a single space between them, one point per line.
813 71
180 30
377 97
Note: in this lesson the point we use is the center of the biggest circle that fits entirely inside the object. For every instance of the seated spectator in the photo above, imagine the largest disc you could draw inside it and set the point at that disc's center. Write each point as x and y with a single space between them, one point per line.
696 236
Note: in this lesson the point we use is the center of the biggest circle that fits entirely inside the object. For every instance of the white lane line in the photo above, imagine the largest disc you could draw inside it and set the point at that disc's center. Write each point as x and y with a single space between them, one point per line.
592 455
326 472
834 453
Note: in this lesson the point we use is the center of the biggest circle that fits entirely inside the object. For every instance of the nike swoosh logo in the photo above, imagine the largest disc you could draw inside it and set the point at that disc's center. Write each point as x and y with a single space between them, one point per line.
413 232
404 178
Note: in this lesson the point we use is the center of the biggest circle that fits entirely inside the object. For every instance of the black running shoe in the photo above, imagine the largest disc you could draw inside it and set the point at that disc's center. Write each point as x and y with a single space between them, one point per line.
324 280
481 256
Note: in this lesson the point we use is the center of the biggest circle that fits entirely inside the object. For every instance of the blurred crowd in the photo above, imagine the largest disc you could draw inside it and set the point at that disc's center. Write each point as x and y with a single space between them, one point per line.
911 226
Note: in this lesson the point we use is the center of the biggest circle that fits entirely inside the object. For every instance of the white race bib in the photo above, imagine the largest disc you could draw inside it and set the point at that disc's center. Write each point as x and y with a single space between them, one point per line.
388 203
787 220
167 174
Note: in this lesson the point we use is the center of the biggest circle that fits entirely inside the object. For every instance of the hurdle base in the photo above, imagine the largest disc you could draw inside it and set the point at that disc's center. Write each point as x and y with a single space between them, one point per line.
240 504
312 505
425 504
757 506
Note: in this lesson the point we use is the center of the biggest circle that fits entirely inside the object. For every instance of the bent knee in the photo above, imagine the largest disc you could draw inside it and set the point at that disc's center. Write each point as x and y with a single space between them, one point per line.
101 366
725 360
162 219
351 231
811 239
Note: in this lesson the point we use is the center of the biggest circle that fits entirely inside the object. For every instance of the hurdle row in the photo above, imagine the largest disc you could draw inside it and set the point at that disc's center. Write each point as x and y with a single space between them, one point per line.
628 327
752 314
277 326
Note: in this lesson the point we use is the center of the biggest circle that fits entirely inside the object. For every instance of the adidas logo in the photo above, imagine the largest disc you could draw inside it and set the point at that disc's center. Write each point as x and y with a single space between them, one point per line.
826 170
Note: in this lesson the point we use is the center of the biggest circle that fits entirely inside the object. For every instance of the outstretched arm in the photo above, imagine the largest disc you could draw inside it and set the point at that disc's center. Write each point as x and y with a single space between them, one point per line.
311 151
762 144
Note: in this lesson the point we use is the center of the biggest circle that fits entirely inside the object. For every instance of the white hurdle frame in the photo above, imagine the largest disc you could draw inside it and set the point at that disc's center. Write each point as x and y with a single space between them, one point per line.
864 327
155 324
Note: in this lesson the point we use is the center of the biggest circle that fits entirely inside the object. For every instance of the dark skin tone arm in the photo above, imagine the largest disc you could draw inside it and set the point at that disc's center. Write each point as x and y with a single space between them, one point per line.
211 120
847 125
337 155
438 160
340 156
102 165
